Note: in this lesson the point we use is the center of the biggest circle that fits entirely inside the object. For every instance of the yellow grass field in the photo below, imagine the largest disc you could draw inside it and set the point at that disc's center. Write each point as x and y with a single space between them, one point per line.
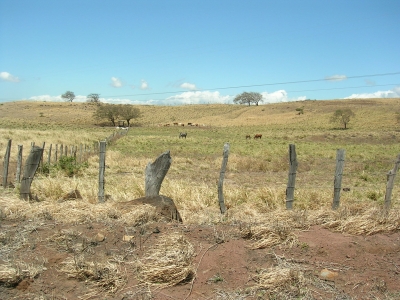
84 241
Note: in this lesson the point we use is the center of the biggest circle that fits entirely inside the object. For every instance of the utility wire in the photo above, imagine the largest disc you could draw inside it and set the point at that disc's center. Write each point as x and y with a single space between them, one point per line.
312 90
265 84
256 85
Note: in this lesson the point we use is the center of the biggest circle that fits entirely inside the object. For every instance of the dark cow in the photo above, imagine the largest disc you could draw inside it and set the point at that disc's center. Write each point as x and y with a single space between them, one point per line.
182 135
258 136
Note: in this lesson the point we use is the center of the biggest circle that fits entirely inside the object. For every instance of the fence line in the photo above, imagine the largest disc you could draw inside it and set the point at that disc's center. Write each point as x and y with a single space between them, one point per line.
100 149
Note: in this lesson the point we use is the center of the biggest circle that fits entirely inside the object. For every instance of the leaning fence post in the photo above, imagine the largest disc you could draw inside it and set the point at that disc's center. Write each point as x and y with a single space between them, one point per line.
340 154
222 206
390 182
292 176
102 166
155 173
19 163
6 163
31 166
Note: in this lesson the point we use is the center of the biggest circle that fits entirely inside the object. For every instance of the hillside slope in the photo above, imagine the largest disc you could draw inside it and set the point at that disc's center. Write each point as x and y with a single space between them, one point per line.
370 113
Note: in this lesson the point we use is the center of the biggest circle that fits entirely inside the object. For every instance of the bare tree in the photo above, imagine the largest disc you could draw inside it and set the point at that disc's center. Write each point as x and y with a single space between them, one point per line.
68 96
93 98
248 98
342 116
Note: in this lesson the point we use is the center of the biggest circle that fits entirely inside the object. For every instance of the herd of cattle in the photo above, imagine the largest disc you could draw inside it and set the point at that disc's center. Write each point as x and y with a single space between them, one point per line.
257 136
183 124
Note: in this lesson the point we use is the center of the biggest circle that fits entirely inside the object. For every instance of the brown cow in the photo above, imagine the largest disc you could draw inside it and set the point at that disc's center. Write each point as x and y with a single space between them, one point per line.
248 136
258 136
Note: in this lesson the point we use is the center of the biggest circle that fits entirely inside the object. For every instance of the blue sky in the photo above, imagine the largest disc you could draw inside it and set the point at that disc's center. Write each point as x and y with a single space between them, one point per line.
172 52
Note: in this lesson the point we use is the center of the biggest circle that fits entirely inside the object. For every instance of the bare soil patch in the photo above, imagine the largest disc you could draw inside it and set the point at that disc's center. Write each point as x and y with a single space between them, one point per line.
98 261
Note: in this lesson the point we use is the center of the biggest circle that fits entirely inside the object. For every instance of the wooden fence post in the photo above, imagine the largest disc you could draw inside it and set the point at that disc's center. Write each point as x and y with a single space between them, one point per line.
56 154
292 176
102 166
61 150
390 182
155 173
49 160
6 163
221 202
32 163
340 154
42 160
19 164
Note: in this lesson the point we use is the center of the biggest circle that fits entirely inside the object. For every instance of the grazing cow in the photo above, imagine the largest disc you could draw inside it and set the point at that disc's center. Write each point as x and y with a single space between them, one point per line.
182 135
248 136
258 136
189 124
175 124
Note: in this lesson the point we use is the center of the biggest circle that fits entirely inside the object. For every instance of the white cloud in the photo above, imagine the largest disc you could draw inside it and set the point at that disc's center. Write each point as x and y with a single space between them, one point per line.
394 93
189 97
80 98
8 77
188 86
144 85
279 96
203 97
117 101
336 78
116 82
58 98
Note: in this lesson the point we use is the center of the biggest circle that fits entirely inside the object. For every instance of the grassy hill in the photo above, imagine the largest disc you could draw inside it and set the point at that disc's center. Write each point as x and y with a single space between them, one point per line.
370 114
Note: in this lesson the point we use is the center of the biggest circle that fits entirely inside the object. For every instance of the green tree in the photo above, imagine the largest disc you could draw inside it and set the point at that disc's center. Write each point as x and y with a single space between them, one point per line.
110 112
68 96
93 98
248 98
128 112
342 116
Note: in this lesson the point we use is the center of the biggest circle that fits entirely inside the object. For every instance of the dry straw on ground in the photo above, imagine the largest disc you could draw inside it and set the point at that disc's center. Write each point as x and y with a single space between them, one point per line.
169 262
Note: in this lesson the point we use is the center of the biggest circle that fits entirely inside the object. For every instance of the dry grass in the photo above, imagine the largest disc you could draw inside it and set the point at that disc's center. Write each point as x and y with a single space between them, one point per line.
104 273
254 188
169 262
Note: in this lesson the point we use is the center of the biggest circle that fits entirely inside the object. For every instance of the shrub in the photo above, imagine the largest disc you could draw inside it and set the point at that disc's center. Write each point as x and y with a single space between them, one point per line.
67 164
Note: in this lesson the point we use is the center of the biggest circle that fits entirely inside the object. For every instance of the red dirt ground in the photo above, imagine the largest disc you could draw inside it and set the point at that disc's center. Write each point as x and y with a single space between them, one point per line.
368 267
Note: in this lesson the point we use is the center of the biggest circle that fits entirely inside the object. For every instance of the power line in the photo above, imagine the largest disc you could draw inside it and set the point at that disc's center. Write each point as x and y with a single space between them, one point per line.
257 85
267 84
312 90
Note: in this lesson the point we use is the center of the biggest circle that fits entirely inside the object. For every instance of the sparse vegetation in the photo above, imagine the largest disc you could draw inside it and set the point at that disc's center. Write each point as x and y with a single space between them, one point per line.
248 98
113 112
93 98
68 96
108 250
342 116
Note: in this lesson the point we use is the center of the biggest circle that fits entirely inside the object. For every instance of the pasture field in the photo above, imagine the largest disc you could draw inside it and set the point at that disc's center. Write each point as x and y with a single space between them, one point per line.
254 189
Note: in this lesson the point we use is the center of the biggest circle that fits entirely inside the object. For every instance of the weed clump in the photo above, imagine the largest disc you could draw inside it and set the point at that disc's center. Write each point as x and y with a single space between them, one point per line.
66 164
